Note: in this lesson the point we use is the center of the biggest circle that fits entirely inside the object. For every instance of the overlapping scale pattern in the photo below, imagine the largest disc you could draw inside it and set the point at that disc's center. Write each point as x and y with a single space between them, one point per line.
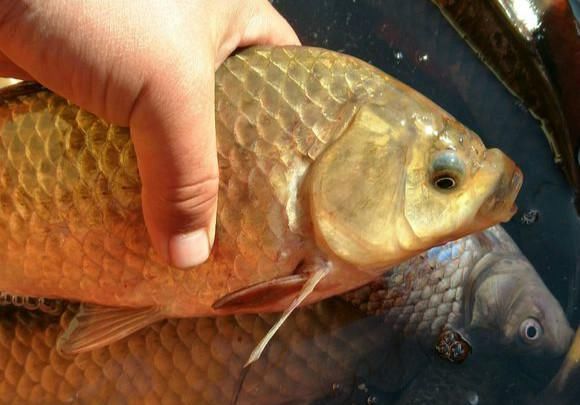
70 209
425 295
183 361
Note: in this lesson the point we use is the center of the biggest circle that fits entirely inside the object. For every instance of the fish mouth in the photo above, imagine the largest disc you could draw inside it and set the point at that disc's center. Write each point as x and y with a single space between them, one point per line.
511 191
500 205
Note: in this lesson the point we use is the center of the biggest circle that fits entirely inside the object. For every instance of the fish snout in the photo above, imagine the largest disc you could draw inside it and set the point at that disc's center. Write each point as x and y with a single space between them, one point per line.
500 205
562 336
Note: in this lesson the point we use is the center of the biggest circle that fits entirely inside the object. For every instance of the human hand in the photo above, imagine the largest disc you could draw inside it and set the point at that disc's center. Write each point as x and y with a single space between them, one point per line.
148 65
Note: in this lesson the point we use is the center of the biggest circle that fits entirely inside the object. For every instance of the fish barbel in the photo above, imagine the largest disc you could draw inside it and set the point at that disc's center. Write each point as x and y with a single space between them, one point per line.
326 164
199 360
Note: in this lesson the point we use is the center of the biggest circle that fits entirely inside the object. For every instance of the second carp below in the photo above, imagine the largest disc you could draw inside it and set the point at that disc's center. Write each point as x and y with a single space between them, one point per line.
329 170
461 286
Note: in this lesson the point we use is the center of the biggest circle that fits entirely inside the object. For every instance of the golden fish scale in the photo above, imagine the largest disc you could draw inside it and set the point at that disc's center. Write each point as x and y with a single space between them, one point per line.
186 360
70 209
321 345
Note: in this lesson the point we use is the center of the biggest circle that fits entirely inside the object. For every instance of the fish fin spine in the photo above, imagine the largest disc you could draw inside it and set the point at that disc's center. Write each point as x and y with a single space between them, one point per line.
97 326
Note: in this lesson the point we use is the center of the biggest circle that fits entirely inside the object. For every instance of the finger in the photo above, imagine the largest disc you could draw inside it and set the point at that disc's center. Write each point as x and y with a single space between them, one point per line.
267 27
9 69
173 130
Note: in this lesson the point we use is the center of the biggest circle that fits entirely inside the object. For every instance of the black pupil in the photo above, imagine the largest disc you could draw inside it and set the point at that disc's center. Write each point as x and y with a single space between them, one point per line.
531 332
445 183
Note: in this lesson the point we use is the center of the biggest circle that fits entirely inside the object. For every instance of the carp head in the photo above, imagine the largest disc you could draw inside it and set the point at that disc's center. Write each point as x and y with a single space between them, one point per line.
398 182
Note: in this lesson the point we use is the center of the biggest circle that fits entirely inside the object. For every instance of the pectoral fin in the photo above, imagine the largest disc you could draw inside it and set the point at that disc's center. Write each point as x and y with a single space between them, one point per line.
96 326
262 293
314 278
300 285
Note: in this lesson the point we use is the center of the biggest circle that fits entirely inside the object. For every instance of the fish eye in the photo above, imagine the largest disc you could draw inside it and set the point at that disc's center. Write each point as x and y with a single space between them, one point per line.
530 330
445 182
447 170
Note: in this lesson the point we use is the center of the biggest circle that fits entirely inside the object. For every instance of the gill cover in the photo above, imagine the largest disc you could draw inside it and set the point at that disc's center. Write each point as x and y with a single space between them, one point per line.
356 189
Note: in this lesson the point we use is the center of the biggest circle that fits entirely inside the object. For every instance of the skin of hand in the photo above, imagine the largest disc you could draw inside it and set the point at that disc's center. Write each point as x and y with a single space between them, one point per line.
148 65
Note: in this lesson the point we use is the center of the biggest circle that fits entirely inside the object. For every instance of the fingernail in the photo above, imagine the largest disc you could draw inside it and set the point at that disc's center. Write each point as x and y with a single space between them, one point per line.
189 249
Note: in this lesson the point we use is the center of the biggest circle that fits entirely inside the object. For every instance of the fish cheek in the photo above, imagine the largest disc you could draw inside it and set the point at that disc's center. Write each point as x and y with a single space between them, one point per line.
427 210
435 214
356 191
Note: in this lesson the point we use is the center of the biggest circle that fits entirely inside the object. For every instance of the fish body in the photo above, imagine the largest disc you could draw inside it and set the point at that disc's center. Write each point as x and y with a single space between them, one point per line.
184 361
324 162
198 360
481 286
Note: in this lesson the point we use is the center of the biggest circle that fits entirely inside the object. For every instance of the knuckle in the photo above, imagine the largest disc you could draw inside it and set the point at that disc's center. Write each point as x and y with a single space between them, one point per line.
195 194
189 206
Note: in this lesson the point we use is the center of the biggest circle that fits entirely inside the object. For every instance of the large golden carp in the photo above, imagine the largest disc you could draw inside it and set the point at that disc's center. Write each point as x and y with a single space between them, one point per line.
326 165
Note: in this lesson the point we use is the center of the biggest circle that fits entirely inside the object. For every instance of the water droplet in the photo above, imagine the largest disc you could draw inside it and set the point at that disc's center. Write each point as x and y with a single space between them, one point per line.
363 387
372 400
472 398
399 56
423 58
530 216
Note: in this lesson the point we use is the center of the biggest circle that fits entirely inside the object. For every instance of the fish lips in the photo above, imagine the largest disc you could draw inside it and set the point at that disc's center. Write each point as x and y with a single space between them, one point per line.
500 205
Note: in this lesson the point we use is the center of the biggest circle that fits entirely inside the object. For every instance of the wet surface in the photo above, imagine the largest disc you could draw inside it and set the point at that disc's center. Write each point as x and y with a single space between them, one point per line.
414 43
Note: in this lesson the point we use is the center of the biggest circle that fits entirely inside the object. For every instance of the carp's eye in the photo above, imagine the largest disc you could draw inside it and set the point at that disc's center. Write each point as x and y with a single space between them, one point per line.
447 170
530 330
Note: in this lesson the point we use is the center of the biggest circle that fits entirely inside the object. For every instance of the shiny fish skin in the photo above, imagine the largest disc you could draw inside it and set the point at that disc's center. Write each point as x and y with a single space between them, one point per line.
463 286
186 361
199 360
424 294
70 211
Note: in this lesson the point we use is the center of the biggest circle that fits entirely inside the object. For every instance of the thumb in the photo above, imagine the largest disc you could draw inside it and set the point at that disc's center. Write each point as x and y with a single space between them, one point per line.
267 26
173 130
